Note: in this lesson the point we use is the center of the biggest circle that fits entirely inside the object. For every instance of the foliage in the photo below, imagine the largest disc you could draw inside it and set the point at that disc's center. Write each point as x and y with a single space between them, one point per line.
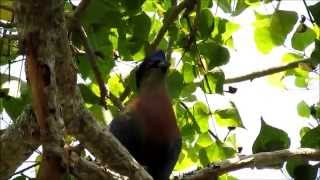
121 31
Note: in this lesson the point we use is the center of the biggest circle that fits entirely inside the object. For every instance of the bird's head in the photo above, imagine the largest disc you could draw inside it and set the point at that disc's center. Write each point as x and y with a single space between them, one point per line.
152 70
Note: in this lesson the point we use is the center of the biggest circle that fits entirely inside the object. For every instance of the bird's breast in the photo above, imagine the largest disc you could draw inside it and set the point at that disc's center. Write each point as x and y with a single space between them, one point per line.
157 116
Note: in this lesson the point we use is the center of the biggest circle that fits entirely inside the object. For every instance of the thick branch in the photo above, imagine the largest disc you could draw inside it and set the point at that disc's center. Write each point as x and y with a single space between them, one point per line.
169 19
266 72
40 24
80 123
259 160
18 142
83 169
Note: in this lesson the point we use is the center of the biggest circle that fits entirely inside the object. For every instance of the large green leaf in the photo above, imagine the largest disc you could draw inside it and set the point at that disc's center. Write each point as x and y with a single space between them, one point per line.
223 30
102 12
188 71
270 139
175 83
141 25
315 11
304 131
115 85
315 111
229 117
299 168
213 82
88 95
204 140
215 54
132 7
302 39
272 30
13 106
219 151
206 23
99 39
201 115
240 7
311 139
303 109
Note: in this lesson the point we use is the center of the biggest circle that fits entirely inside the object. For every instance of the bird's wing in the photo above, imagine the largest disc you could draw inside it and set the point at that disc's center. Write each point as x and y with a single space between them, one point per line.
129 132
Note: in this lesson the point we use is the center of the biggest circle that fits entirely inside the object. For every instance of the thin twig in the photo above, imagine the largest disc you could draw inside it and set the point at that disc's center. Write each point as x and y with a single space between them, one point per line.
308 11
266 72
24 169
93 62
169 19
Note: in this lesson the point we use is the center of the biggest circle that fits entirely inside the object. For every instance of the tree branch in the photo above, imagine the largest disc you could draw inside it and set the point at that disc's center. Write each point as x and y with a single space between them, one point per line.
18 142
266 72
259 160
93 62
169 18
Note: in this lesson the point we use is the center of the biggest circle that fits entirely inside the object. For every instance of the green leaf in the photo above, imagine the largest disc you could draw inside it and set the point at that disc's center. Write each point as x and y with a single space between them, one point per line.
303 109
204 140
215 54
88 95
218 151
291 57
132 7
98 112
281 24
301 82
187 130
240 7
206 23
270 139
115 85
315 111
187 91
213 82
20 178
226 177
188 69
229 117
299 168
272 30
141 25
311 139
184 161
6 15
101 12
201 115
13 106
204 160
175 83
315 11
225 5
301 40
304 131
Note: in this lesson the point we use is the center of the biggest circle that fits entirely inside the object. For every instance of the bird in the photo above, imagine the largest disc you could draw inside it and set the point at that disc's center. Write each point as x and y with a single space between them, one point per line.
148 126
